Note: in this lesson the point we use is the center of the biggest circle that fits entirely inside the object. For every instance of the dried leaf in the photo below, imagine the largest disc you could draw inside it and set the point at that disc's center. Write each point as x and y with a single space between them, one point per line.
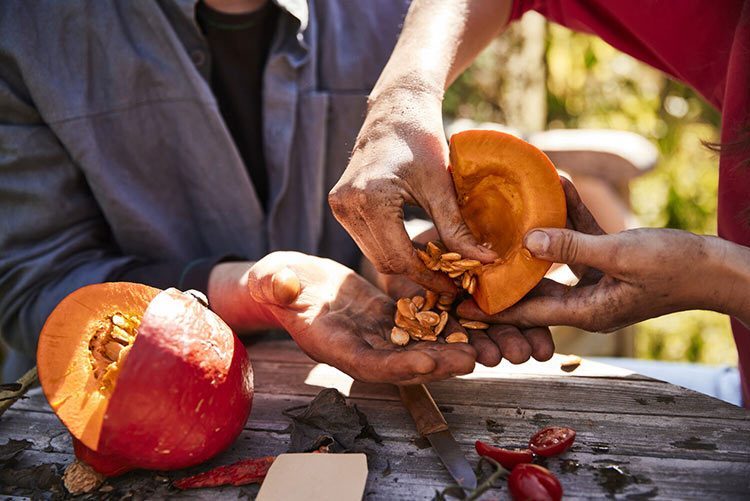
328 420
11 448
43 477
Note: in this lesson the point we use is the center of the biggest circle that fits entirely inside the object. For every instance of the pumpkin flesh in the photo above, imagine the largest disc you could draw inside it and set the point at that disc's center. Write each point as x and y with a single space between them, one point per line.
505 187
77 376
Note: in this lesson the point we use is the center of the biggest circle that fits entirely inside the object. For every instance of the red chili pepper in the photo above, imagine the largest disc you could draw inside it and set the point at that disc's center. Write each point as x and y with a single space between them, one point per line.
552 441
508 458
531 482
248 471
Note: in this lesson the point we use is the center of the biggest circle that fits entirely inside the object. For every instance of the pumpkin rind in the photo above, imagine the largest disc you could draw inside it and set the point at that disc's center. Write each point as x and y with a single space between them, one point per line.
505 187
182 395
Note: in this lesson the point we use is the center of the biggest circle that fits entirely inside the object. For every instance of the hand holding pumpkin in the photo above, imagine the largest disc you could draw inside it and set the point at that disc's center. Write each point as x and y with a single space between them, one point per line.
340 319
625 277
401 157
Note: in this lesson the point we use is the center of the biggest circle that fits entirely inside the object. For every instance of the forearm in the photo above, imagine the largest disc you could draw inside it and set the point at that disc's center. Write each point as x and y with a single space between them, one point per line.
230 297
729 272
439 40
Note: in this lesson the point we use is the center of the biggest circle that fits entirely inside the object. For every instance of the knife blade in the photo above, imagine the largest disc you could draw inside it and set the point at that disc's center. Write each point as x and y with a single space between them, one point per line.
432 425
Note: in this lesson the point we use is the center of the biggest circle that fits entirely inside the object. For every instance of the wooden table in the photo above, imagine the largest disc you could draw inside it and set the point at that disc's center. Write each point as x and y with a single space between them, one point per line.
637 438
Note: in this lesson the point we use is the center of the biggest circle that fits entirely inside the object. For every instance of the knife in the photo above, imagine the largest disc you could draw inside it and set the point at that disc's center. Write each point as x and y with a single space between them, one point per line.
432 425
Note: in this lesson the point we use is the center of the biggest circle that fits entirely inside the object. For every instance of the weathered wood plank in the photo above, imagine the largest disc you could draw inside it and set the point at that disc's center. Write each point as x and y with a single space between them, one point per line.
623 435
418 471
669 442
508 391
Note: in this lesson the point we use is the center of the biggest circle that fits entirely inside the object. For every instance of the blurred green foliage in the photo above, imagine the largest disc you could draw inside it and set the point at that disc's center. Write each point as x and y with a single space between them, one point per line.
592 85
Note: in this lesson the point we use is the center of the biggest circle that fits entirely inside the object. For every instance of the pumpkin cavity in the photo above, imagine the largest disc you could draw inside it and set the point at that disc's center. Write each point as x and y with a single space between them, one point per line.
109 347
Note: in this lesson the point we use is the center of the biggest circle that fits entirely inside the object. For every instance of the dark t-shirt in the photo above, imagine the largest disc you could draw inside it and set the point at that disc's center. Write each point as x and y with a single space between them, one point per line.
239 45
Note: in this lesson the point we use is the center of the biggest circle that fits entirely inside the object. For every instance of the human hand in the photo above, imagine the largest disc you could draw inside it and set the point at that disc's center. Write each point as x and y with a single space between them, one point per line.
401 157
493 344
624 277
339 318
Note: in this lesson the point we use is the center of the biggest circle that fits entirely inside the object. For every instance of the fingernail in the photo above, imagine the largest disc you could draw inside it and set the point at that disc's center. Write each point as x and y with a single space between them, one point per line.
286 286
537 242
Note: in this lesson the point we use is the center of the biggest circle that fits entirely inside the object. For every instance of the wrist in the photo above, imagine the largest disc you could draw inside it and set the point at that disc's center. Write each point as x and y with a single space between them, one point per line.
399 115
729 270
404 88
230 297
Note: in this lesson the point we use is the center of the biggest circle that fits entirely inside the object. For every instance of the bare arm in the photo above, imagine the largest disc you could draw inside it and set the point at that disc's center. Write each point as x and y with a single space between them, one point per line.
439 40
401 156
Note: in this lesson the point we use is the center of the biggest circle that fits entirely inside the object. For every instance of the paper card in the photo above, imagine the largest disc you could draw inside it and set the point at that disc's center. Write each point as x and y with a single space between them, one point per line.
313 477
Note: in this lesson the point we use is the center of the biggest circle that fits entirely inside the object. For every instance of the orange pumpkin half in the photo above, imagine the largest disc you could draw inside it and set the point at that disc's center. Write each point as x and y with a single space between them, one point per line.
505 188
143 378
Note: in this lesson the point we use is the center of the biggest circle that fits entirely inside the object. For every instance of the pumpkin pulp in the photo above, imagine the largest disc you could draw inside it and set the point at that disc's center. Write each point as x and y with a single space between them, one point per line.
109 347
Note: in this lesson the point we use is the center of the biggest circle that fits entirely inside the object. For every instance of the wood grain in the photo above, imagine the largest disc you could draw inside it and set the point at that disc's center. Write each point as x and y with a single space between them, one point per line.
667 441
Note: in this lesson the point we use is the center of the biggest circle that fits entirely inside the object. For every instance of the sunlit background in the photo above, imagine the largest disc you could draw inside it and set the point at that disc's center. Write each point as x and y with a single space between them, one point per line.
543 76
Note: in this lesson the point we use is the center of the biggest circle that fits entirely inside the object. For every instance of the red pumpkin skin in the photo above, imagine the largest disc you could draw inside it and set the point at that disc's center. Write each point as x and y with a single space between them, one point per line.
183 395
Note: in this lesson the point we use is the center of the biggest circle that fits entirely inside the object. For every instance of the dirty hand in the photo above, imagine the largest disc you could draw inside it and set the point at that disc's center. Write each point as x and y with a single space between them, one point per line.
492 345
624 277
401 157
339 318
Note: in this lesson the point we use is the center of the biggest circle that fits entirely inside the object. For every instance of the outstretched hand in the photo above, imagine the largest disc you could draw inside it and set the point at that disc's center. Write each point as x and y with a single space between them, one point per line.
517 345
623 278
339 318
401 157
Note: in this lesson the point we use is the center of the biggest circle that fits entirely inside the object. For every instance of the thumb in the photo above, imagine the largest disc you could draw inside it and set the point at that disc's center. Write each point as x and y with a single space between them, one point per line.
570 247
453 231
280 288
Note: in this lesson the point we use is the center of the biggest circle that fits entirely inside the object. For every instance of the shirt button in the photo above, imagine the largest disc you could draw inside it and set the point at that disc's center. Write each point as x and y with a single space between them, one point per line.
198 57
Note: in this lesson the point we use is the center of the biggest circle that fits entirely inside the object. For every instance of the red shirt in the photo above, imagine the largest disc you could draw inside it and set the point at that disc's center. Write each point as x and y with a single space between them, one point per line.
704 44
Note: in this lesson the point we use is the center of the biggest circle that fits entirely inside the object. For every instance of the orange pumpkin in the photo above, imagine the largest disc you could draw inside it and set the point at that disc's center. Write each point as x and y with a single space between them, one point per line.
505 187
143 378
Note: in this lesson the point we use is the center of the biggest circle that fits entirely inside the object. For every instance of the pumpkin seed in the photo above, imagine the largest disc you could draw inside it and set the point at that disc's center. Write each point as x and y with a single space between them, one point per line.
473 324
465 280
457 337
399 336
418 301
441 324
426 258
406 308
467 264
428 318
451 256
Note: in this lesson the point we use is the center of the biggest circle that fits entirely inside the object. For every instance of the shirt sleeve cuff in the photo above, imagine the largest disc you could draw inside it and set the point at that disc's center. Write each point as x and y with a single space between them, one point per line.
193 275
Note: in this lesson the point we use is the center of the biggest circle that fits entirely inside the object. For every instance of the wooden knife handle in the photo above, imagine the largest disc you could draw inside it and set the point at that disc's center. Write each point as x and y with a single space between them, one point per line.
423 409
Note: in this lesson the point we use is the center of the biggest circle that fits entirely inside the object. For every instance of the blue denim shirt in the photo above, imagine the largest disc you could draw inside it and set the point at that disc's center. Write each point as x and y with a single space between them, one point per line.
114 156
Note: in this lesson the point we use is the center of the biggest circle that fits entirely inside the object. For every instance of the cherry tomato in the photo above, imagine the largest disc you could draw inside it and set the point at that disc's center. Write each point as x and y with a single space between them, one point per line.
531 482
552 441
506 457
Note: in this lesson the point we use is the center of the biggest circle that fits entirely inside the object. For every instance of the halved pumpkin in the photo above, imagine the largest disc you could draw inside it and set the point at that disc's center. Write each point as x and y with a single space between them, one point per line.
505 188
143 378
